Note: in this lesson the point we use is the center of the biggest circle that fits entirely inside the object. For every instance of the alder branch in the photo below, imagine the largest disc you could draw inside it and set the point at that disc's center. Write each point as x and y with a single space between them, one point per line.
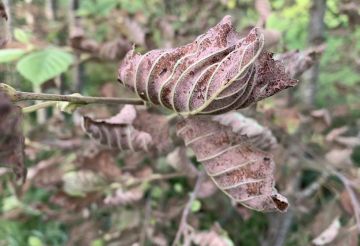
17 96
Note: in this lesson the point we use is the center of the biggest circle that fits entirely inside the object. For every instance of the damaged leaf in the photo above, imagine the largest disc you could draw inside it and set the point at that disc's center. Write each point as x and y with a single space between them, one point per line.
130 130
218 72
297 62
242 171
258 135
117 132
11 138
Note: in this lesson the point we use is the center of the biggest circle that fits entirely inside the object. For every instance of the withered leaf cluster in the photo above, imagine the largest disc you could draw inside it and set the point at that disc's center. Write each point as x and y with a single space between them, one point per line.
217 73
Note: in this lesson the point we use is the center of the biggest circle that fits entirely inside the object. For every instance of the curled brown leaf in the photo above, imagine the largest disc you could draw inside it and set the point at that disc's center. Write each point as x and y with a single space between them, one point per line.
131 129
218 72
240 170
118 132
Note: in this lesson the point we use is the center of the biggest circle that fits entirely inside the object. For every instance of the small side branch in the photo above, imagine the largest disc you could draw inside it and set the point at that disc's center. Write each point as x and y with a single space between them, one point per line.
186 211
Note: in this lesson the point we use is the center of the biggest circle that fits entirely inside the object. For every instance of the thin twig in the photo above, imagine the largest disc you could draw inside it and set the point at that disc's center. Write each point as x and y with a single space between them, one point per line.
22 96
17 96
147 217
185 214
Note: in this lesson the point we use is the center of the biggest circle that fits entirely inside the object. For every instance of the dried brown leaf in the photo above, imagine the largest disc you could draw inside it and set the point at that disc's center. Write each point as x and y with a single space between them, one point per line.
11 138
67 202
263 7
100 161
216 73
124 197
89 230
133 31
297 62
240 170
78 41
118 131
336 137
257 135
339 158
322 119
3 13
181 162
209 238
329 234
114 49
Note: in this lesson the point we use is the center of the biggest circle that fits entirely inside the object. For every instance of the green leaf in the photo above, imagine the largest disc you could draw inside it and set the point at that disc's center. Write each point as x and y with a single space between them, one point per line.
34 241
21 36
9 55
195 206
40 66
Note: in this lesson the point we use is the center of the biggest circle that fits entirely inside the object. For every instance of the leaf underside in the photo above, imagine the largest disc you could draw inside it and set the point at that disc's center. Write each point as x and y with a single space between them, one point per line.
240 170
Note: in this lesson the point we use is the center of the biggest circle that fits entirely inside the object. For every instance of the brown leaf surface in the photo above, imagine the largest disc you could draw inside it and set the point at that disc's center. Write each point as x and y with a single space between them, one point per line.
329 234
11 138
258 136
181 162
117 132
131 129
263 7
216 73
124 197
240 170
110 50
3 13
297 62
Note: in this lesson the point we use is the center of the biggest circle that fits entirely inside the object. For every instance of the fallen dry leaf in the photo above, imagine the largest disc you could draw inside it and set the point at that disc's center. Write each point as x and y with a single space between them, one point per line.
329 234
216 73
240 170
339 158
